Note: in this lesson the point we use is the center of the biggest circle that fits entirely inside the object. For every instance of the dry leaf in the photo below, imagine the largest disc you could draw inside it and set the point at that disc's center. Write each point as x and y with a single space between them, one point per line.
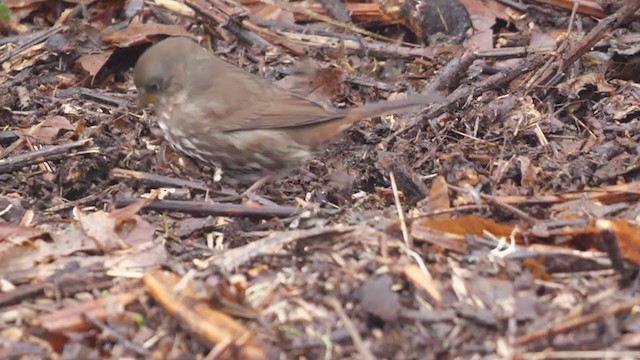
450 233
209 325
93 63
138 33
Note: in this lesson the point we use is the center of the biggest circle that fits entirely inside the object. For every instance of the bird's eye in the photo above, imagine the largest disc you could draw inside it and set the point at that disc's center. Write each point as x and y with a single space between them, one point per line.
154 87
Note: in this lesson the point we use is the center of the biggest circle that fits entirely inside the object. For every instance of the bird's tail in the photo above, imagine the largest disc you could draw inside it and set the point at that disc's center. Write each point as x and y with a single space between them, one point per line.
389 106
326 131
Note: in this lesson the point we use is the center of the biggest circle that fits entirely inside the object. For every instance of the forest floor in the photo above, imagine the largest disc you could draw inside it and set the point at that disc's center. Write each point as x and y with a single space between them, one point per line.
499 223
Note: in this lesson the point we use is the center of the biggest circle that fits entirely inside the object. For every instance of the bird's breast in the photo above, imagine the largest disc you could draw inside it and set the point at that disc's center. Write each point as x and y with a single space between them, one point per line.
244 154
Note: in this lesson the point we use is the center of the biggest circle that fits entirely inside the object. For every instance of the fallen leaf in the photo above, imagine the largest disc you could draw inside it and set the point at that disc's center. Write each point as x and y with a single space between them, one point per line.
438 198
93 63
627 236
50 128
24 248
450 233
120 229
318 84
17 233
73 318
271 13
424 281
209 325
572 87
137 33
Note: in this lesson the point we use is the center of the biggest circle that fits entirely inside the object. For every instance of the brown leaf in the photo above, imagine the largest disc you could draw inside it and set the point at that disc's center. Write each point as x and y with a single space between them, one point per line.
73 318
271 13
317 84
425 282
627 235
209 325
483 18
450 233
572 87
17 233
118 230
138 33
438 198
24 248
50 127
530 174
537 269
93 63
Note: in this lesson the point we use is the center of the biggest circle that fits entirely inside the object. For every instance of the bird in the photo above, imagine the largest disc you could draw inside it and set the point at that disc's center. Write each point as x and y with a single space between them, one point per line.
228 118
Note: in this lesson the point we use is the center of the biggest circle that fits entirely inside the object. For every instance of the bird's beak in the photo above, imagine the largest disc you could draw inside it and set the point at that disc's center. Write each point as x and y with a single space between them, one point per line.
144 99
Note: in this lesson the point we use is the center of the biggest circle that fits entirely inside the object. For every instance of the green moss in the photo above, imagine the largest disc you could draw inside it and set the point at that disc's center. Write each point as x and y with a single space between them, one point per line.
5 13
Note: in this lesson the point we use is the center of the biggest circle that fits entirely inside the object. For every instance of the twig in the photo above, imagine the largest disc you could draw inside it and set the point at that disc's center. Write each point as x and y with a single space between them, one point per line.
612 21
516 5
21 140
375 47
219 351
202 208
450 75
315 16
45 154
589 8
577 49
360 12
515 51
373 84
610 194
116 335
574 323
403 223
31 42
95 196
236 27
365 353
612 248
493 200
106 98
461 94
231 259
158 180
337 9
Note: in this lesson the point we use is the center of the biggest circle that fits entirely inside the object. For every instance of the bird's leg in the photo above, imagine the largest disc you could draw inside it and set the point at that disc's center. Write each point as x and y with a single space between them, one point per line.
256 185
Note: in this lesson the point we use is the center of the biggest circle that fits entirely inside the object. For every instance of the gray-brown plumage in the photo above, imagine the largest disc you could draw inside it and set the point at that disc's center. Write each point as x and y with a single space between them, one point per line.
229 118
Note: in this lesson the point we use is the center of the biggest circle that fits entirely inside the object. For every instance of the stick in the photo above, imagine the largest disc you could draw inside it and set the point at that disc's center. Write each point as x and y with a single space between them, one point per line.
579 48
378 48
231 259
493 200
158 180
31 42
236 27
365 353
45 154
202 208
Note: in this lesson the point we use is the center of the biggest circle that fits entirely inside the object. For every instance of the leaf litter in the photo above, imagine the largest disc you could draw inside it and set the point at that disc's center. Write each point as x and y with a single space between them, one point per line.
518 195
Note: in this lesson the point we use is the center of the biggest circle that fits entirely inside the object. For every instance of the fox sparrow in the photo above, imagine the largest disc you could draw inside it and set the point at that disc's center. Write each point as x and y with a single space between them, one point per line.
229 118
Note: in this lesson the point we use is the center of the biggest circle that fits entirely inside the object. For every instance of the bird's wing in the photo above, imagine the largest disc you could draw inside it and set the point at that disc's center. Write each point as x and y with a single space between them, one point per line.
238 100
